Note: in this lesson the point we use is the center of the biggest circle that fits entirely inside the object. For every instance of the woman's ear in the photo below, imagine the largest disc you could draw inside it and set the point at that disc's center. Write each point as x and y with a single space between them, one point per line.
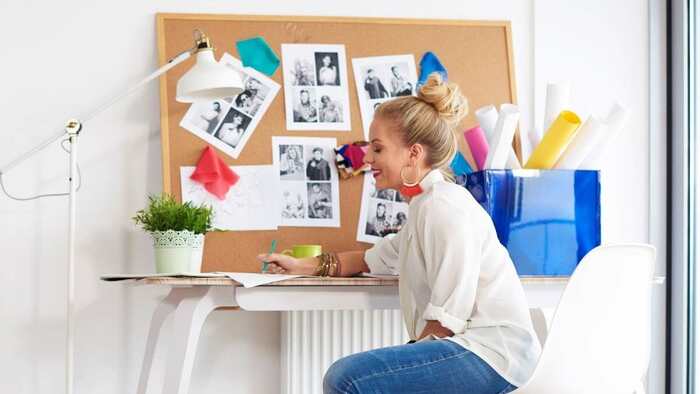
416 153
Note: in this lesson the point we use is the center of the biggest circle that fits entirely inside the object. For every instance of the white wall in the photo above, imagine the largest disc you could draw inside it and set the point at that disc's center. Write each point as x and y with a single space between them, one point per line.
62 58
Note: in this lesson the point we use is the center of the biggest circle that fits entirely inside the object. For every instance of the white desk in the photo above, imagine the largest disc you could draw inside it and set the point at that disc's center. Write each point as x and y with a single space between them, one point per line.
193 299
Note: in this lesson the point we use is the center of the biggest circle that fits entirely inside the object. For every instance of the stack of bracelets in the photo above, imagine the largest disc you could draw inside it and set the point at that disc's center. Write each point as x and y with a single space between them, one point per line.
328 265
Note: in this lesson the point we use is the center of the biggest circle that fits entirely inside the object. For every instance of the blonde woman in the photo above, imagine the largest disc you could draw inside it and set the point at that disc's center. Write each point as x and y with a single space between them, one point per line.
462 301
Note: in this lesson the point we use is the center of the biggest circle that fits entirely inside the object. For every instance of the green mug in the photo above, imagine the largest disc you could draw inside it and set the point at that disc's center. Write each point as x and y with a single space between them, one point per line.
302 251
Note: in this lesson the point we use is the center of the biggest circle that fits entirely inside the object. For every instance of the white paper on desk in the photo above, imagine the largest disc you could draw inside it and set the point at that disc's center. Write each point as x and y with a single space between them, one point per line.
248 279
250 204
378 276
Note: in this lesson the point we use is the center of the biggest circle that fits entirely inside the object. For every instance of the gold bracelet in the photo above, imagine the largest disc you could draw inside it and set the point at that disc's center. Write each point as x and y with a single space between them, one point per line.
328 265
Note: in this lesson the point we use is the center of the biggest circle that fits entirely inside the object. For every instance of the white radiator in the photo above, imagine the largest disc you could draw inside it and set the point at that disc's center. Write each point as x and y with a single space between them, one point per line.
313 340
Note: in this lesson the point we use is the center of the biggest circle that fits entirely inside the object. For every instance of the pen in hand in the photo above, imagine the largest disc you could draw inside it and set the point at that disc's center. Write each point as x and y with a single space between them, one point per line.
273 246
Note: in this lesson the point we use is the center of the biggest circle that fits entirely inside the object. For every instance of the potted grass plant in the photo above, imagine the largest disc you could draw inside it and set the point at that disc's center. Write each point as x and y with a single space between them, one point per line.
178 232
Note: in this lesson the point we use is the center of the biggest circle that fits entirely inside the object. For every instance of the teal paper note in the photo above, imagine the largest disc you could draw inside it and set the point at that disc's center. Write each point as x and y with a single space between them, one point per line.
255 53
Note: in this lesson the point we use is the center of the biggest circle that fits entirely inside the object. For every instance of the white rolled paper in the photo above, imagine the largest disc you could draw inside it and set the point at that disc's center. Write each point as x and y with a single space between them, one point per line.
525 144
556 100
501 142
487 117
614 122
534 136
585 140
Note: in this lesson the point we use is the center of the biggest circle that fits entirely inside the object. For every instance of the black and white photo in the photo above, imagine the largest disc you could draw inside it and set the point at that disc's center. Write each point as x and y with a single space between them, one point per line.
232 128
303 72
400 84
384 194
315 87
382 212
382 78
330 109
310 194
205 116
229 123
320 200
305 106
327 68
293 201
318 167
291 162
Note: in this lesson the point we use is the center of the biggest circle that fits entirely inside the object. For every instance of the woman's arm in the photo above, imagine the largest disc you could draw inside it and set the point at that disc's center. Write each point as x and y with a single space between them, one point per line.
351 263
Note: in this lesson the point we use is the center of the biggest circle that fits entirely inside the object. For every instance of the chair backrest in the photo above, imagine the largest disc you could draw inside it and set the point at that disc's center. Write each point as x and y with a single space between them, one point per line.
600 337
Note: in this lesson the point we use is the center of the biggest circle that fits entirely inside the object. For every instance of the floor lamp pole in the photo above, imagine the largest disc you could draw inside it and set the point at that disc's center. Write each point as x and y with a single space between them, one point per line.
72 130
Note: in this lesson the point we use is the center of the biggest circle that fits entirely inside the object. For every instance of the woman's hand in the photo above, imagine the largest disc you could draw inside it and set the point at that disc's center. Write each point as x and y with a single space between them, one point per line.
283 264
435 328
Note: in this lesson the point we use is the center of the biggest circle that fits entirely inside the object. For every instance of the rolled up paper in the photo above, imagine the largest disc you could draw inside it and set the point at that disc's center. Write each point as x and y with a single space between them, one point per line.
525 146
534 136
556 100
554 141
501 143
512 163
615 121
487 117
588 136
478 144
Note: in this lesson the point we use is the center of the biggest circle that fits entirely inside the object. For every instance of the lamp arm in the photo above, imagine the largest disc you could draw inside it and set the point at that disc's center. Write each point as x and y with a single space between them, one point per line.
72 123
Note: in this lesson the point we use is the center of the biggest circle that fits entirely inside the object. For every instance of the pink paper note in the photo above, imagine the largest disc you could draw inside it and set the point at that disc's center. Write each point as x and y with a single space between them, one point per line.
478 144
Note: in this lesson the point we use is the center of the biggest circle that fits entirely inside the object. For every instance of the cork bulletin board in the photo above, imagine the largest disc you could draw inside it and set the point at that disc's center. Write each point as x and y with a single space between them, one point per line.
477 54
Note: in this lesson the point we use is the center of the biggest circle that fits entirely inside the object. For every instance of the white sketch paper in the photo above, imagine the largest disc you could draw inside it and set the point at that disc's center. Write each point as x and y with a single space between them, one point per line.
315 87
309 191
382 78
382 212
229 123
250 204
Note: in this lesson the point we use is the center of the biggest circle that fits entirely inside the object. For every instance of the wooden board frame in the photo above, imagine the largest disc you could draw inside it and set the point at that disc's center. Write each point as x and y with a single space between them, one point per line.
477 54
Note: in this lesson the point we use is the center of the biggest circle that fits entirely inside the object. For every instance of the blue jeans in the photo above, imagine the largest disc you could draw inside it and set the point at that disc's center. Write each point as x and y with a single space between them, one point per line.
439 366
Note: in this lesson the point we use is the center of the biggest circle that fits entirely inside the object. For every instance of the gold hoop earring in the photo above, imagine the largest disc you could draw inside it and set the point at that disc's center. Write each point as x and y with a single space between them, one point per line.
403 179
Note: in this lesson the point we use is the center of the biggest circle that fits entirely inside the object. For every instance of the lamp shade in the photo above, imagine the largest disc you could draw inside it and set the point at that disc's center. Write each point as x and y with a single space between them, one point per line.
208 80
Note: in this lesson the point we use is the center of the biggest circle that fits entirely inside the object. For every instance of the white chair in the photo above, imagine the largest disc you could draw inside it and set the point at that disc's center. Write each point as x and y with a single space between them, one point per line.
600 337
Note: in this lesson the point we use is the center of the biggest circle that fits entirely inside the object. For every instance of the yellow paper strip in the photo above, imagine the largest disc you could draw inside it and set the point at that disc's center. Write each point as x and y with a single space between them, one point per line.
554 141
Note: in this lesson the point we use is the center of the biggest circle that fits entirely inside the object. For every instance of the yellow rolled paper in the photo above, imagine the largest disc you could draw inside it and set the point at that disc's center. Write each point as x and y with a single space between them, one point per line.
554 141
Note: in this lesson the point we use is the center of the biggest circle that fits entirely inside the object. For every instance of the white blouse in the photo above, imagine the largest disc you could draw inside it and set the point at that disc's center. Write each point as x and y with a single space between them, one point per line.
454 270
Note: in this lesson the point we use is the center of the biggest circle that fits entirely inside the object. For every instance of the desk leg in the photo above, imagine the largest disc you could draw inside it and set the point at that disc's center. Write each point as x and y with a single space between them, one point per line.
195 306
164 309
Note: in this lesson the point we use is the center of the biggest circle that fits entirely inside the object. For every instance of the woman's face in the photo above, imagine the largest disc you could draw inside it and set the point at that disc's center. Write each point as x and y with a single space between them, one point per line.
238 120
380 210
326 60
387 154
252 84
217 106
292 153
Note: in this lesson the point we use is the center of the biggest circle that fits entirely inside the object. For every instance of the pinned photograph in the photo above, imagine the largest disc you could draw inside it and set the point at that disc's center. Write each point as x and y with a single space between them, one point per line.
318 168
228 124
382 212
382 78
310 193
305 105
316 87
293 200
232 128
327 68
320 200
291 162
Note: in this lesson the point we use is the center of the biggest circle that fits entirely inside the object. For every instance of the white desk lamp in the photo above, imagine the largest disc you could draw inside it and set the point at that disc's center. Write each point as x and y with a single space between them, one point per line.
206 80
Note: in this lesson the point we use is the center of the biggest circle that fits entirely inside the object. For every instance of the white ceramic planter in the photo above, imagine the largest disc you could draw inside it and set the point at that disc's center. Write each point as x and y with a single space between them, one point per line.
178 251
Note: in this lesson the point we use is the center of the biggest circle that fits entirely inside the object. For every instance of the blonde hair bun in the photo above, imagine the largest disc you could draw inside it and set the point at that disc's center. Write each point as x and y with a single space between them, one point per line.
445 97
